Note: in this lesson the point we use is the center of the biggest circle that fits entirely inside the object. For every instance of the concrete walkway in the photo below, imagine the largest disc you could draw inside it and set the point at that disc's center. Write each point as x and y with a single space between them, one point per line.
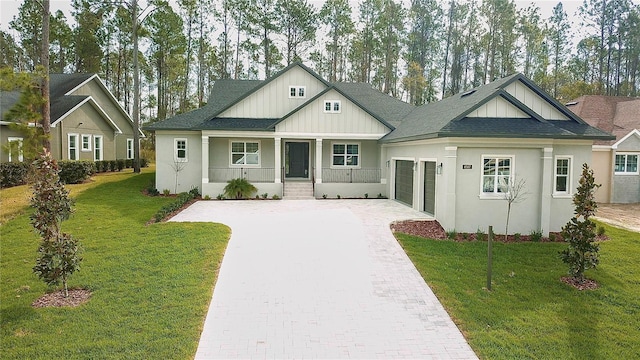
320 279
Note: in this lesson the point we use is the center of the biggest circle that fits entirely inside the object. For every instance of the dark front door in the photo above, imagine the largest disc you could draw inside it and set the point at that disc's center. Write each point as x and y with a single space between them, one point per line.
297 159
404 181
429 187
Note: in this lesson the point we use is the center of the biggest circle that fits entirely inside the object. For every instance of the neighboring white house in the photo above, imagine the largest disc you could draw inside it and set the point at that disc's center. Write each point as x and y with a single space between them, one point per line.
452 159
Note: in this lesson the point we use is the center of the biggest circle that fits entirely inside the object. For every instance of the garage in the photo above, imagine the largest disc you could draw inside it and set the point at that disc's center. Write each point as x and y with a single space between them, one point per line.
404 181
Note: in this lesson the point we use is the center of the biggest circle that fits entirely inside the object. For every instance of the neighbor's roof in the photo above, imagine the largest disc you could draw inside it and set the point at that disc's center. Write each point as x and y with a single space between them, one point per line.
617 115
448 118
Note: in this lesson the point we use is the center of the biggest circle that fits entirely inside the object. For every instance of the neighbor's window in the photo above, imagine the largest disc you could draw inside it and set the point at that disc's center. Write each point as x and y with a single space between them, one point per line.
626 164
332 106
15 149
129 148
297 91
73 146
97 148
563 175
180 150
345 155
496 174
86 142
245 153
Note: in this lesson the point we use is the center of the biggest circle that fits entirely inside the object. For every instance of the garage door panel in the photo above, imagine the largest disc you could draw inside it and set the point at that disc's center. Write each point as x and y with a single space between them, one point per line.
404 181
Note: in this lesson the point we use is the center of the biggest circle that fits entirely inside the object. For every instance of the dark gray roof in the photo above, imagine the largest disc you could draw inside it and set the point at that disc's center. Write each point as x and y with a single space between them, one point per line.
447 118
237 124
386 107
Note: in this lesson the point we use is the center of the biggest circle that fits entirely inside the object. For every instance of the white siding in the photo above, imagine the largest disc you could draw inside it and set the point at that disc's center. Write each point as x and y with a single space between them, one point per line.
534 101
272 101
350 120
498 108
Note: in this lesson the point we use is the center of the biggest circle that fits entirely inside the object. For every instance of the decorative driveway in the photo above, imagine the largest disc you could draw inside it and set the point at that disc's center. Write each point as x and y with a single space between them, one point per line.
320 279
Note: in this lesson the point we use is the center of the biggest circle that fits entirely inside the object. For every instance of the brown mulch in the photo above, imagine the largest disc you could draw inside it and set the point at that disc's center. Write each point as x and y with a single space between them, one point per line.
76 297
586 284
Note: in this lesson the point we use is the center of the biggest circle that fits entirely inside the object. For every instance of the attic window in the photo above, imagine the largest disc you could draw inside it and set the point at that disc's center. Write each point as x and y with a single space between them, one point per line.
571 103
332 106
467 93
297 92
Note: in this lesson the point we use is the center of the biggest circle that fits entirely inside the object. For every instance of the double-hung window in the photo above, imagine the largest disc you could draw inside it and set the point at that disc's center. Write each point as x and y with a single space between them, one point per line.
15 149
626 164
129 148
86 142
180 150
345 154
496 174
97 148
297 92
562 176
72 148
245 153
332 106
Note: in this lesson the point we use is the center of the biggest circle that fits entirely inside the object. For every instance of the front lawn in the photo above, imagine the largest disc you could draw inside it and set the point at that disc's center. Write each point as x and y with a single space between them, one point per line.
530 314
151 284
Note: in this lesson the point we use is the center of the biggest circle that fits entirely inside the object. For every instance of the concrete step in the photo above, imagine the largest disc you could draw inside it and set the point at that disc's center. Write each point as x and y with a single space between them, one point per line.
302 190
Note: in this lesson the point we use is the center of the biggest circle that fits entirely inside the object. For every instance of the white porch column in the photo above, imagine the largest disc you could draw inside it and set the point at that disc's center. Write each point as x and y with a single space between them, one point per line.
278 160
450 169
205 159
319 161
547 189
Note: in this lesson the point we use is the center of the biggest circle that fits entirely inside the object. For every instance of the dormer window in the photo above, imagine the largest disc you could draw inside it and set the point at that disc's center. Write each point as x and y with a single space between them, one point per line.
332 106
297 92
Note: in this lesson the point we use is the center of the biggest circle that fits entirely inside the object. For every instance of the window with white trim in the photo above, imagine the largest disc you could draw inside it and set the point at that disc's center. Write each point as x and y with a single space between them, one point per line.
626 164
86 142
97 148
345 154
562 175
129 148
332 106
245 153
72 148
180 150
297 92
15 149
496 174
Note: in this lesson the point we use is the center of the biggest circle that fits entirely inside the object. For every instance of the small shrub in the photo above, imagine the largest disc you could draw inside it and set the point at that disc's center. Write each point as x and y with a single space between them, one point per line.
275 197
366 195
601 230
120 163
195 192
480 235
338 196
75 172
166 192
465 236
380 196
13 174
180 201
324 196
265 195
516 236
105 165
452 234
144 162
128 163
151 189
552 237
239 189
220 197
257 197
207 197
113 165
536 236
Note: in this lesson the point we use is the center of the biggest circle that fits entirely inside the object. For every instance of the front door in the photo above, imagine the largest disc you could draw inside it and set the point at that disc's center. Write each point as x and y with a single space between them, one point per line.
296 159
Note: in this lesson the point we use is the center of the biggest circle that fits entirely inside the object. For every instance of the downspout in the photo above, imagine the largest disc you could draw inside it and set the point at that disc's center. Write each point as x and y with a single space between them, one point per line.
61 139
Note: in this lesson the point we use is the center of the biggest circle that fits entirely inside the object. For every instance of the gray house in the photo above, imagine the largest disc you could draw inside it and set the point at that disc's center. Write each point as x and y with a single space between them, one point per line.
297 134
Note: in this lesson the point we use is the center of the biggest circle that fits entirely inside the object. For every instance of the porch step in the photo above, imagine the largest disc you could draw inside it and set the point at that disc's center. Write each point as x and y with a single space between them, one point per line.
298 190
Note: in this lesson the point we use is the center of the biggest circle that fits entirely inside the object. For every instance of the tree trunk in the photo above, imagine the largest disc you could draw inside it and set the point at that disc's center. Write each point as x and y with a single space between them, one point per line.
136 89
44 59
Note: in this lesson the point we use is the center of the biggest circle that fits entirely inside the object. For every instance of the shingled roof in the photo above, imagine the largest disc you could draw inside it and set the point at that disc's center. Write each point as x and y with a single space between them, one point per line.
617 115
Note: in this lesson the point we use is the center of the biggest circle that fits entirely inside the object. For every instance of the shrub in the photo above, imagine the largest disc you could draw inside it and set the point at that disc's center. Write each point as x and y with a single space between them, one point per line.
120 163
180 201
128 163
601 231
338 196
166 192
324 196
480 235
195 192
516 236
536 235
452 234
113 165
75 172
366 195
13 174
265 195
275 197
220 197
207 197
239 189
144 162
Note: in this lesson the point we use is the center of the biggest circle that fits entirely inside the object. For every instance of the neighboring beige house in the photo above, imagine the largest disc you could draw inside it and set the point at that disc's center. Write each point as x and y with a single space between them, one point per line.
87 122
615 162
295 133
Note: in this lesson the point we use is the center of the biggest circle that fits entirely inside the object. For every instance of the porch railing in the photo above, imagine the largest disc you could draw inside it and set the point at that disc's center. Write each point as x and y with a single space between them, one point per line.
257 175
351 175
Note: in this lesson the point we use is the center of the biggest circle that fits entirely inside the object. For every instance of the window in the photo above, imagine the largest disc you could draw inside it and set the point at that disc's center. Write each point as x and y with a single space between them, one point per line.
332 106
180 148
562 175
86 142
129 148
496 174
15 149
346 155
97 148
626 164
245 153
73 146
297 91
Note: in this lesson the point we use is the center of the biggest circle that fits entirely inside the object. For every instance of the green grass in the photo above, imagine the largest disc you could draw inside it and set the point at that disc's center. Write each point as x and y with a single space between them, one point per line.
530 314
151 284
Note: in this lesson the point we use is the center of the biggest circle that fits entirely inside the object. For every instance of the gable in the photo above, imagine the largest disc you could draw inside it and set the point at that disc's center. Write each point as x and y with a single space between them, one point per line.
87 112
498 107
272 100
350 120
631 142
534 101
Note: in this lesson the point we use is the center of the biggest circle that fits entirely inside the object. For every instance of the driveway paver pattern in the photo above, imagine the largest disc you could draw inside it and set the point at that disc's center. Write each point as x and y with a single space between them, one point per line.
320 279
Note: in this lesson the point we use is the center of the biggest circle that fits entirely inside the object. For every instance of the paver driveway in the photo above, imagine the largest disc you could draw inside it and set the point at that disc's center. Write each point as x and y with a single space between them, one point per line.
320 279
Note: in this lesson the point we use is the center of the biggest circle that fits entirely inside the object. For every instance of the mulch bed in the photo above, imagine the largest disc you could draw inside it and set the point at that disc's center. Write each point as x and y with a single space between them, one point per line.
586 284
76 297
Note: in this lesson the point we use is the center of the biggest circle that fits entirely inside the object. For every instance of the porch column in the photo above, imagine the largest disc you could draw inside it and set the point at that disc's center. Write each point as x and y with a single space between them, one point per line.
278 160
547 189
450 169
319 161
205 159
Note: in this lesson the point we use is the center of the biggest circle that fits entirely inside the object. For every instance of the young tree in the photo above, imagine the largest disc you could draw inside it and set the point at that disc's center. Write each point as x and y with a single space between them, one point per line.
58 254
514 192
579 232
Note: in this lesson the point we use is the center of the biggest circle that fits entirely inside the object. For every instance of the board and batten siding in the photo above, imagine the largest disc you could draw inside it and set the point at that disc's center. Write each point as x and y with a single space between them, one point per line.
532 100
272 100
498 108
350 120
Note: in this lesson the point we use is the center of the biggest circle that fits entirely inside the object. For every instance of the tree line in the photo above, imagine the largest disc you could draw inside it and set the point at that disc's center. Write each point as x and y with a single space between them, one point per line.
418 50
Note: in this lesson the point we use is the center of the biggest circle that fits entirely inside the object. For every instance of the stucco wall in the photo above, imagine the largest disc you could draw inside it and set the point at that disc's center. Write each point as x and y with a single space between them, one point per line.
5 134
602 166
626 189
191 175
86 120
